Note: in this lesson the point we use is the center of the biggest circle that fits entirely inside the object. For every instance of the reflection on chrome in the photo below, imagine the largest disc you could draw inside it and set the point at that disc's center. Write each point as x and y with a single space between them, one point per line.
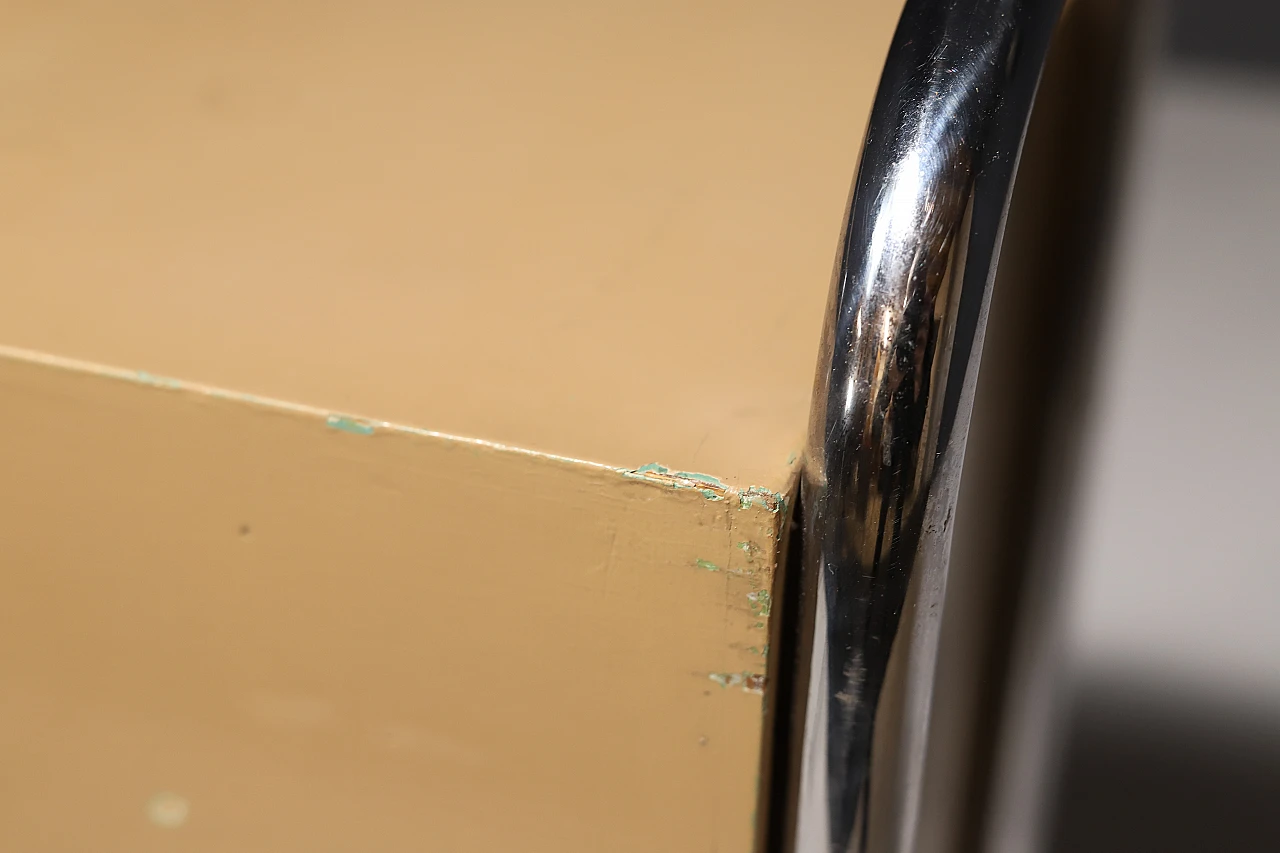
891 410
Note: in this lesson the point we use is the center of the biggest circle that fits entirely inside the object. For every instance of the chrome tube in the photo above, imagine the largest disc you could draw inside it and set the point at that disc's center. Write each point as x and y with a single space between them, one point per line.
891 411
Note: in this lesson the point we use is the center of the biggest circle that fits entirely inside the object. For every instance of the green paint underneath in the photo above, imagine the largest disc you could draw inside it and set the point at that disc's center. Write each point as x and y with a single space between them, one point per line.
156 381
700 478
711 488
351 425
756 496
706 564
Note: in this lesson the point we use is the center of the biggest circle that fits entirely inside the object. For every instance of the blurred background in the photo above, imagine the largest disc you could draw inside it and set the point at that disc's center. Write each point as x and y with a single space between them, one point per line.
1169 738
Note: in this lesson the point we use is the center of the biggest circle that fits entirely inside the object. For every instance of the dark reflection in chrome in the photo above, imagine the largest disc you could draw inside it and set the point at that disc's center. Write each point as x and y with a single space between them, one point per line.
891 410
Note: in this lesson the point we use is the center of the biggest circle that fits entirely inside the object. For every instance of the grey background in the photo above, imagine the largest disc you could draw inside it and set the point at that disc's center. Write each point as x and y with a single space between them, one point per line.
1172 599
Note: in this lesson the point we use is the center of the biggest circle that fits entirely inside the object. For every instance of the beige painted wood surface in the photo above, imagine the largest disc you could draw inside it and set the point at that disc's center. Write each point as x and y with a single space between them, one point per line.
326 639
598 230
357 362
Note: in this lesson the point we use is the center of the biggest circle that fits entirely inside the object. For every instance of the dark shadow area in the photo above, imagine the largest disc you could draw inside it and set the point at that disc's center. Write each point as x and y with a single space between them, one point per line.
1151 769
1240 34
778 763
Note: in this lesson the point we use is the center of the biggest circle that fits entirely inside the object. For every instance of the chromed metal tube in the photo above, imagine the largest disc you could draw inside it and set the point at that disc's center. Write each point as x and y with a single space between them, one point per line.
891 410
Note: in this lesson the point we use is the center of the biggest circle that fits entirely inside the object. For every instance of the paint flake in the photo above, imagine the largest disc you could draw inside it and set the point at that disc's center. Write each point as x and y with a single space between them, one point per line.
351 425
750 682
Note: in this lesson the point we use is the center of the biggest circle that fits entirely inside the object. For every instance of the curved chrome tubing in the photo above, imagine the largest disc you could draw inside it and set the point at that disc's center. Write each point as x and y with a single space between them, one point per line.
891 411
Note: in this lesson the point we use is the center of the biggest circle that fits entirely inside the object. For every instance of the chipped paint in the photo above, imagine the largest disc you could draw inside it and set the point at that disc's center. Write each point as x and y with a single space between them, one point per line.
706 564
351 425
711 488
761 602
772 501
750 682
701 478
156 381
726 679
791 460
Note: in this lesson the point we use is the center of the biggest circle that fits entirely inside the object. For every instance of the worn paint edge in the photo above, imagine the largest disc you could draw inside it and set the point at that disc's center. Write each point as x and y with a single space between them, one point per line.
349 423
711 488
